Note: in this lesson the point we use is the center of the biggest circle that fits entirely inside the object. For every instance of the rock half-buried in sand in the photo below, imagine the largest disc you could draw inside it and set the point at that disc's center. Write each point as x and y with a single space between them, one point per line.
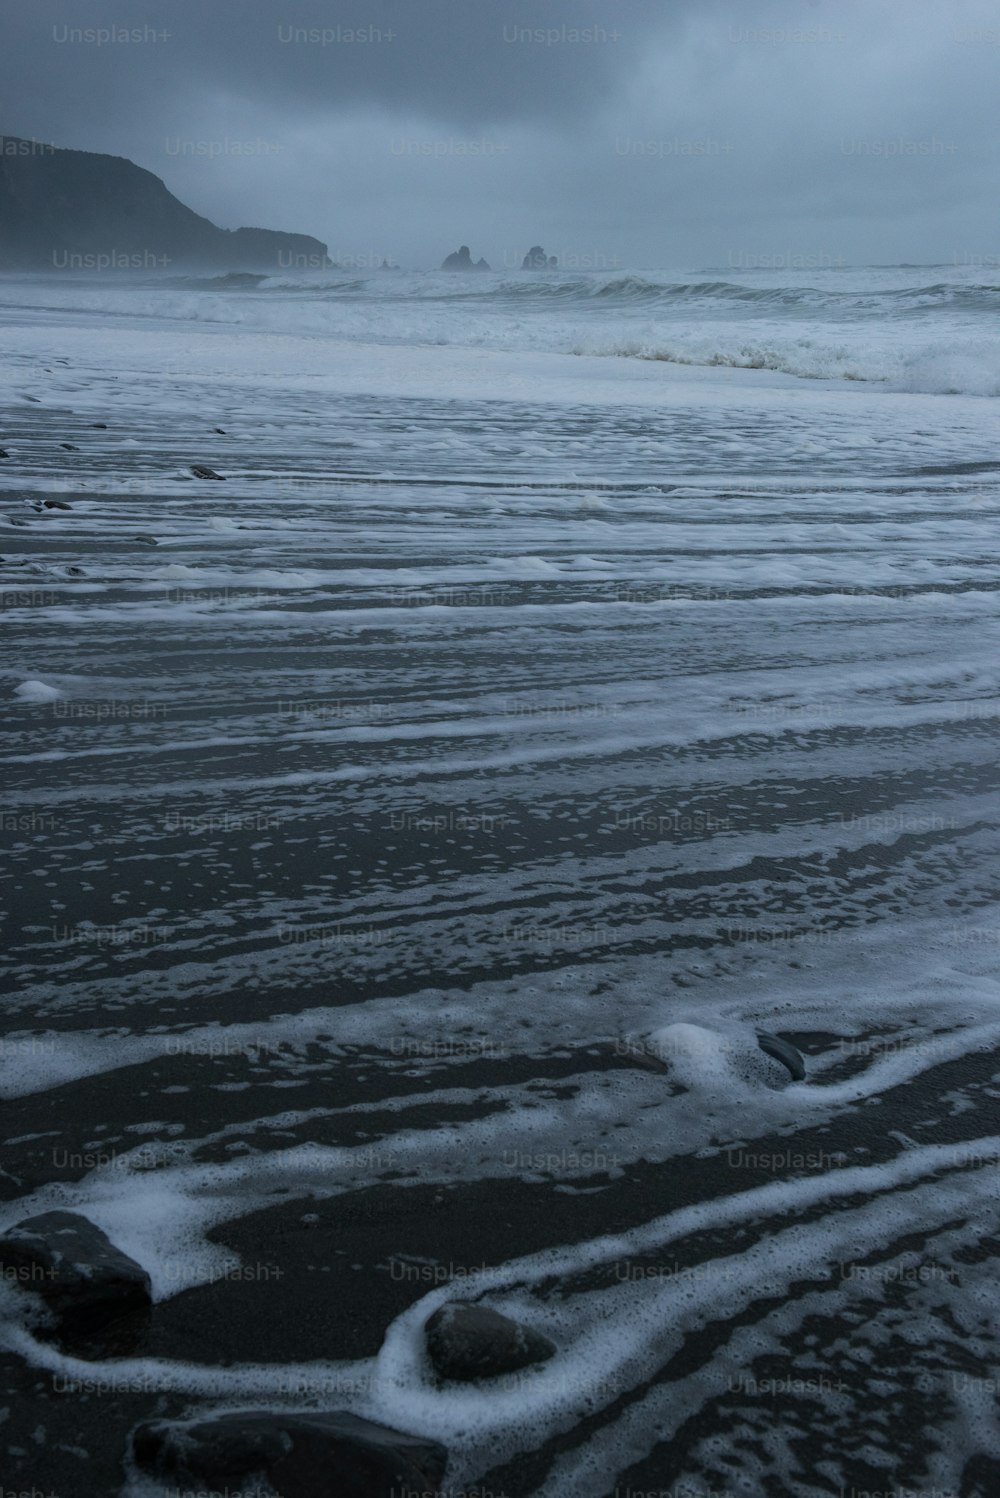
724 1063
75 1267
466 1341
299 1455
783 1051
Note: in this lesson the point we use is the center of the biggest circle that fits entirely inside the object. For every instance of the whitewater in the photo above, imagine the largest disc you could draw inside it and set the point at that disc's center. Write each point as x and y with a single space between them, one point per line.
571 676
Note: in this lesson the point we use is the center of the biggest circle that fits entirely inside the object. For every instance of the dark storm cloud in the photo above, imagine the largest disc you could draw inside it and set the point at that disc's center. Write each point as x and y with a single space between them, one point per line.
469 62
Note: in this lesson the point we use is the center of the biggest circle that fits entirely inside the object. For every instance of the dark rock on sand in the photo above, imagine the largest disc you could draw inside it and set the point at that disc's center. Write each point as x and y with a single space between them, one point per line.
202 471
640 1054
299 1455
75 1267
56 504
783 1051
466 1341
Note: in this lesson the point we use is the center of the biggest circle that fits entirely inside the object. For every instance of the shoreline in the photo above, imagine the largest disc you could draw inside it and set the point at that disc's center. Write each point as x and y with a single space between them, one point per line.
588 833
313 1288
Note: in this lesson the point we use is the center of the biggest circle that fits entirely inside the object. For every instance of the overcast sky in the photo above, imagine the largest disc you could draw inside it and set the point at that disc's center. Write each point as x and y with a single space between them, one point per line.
616 133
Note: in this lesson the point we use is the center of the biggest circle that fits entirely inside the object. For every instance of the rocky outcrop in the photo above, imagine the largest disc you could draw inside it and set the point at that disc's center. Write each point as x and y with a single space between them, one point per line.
461 259
536 259
298 1455
76 1269
82 211
466 1342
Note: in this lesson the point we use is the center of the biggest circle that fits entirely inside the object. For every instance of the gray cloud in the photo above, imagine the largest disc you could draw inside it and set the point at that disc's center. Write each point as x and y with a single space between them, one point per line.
459 61
615 131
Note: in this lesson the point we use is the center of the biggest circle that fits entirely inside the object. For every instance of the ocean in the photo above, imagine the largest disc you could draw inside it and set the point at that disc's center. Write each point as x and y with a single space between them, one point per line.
572 675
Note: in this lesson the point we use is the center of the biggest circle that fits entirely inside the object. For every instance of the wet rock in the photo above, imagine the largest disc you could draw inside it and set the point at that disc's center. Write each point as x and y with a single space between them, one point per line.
221 431
69 447
202 471
80 1274
466 1341
56 504
980 1476
4 453
640 1054
783 1051
298 1455
99 426
147 540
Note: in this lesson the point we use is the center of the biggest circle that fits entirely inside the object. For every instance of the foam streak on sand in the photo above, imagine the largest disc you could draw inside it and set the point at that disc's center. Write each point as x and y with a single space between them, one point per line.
615 1340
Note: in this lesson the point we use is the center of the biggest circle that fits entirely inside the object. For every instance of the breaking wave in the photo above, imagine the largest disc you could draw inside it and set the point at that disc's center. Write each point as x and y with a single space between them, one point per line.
935 369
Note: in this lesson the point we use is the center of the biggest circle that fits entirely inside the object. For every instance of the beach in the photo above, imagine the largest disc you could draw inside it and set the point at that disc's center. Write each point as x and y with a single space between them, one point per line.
409 830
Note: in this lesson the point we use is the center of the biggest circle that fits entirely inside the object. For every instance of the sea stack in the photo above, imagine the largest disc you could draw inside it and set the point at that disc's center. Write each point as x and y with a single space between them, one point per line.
461 259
